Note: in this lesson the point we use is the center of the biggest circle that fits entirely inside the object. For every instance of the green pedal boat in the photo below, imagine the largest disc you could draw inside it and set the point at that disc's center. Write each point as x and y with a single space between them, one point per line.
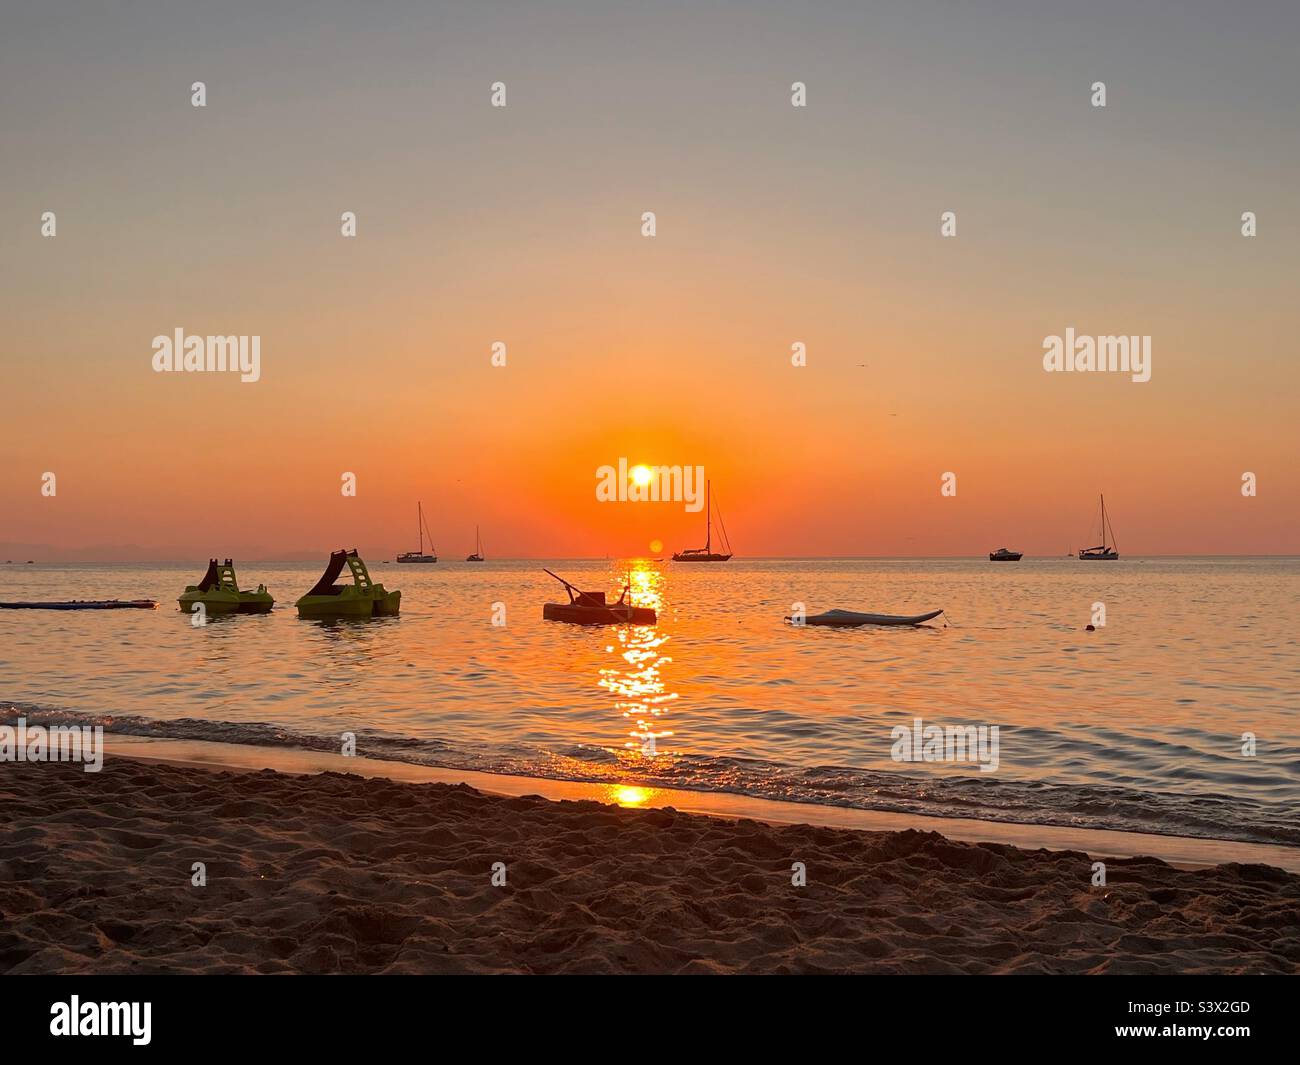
219 593
360 599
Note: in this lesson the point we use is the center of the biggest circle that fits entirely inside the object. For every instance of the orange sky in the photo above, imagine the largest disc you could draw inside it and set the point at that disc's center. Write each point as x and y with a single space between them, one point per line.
523 225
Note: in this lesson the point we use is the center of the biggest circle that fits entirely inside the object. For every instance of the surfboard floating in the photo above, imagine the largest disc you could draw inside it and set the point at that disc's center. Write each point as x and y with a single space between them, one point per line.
849 618
85 604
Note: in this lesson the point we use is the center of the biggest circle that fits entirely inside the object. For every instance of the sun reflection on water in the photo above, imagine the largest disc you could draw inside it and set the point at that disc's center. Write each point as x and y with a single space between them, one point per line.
629 795
641 695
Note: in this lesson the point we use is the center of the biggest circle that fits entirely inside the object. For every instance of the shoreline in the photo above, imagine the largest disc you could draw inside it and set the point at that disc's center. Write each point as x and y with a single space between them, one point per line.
1187 852
328 873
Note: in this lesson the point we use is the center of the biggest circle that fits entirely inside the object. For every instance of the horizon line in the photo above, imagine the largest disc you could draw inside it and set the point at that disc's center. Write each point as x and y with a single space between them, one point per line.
642 558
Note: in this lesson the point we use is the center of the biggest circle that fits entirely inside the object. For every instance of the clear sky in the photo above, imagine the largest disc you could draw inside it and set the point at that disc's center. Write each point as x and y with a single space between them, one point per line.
775 225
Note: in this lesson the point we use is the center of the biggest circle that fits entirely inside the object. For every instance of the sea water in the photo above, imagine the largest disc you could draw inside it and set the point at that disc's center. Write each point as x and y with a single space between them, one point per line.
1177 715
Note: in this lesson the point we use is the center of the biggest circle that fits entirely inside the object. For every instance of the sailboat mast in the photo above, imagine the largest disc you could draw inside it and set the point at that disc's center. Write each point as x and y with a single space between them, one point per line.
419 523
708 521
1103 519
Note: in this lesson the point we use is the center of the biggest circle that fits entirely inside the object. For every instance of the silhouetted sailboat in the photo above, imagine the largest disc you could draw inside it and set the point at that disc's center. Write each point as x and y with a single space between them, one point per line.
477 556
422 527
706 553
1102 553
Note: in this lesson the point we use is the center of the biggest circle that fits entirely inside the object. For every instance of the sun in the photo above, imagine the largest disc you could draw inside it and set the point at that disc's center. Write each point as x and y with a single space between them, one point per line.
656 546
641 475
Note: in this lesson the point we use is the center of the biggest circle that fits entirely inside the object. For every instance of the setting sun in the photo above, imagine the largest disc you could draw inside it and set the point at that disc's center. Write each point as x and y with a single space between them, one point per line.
771 488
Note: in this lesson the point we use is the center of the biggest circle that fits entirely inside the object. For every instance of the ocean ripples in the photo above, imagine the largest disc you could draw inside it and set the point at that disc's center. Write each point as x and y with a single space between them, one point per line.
1140 725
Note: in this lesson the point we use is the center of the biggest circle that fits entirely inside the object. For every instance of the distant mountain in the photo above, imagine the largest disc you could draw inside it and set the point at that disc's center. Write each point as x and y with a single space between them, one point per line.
20 553
93 553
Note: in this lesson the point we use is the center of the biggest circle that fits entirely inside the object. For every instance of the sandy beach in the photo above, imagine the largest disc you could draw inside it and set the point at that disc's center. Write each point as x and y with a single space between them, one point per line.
338 874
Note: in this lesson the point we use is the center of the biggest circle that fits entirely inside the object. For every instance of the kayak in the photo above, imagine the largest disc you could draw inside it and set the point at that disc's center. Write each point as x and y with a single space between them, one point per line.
847 618
85 604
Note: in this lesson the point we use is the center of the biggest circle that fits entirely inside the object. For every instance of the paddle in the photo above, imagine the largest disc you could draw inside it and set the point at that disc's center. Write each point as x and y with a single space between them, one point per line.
581 596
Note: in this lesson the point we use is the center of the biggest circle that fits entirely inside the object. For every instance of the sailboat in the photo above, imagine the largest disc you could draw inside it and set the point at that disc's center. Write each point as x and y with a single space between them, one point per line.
477 556
706 553
421 527
1102 553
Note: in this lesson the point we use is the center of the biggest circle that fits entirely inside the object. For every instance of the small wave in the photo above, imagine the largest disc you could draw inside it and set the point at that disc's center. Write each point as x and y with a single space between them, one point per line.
1207 816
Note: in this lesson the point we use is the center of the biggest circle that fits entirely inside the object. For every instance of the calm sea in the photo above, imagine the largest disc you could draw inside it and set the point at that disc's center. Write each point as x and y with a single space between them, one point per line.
1138 725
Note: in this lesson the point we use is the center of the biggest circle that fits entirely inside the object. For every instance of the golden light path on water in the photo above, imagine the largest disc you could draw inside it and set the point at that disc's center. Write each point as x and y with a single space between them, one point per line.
1150 709
641 695
629 795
